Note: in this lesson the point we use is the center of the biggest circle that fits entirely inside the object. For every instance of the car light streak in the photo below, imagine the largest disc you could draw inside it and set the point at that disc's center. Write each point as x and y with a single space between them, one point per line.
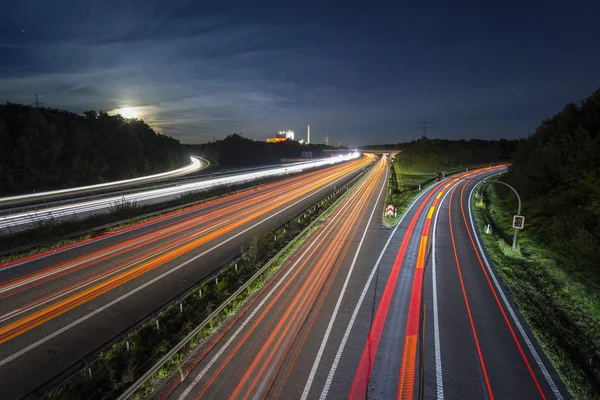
151 259
159 195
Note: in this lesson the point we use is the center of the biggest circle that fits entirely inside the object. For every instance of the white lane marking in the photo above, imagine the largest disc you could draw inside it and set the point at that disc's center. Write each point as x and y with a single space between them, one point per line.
436 324
19 311
138 288
214 359
516 321
94 205
342 345
317 361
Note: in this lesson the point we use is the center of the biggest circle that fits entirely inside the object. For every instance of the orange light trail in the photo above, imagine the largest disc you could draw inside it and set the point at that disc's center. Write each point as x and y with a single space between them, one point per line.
283 196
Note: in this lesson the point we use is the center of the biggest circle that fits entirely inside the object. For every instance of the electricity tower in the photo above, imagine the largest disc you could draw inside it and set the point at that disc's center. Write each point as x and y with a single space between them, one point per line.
38 103
426 125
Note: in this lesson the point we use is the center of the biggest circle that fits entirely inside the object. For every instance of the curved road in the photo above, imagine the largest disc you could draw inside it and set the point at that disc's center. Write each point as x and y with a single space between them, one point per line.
364 312
57 307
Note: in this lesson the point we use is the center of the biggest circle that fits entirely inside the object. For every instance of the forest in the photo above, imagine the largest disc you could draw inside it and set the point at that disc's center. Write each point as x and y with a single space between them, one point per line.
44 148
237 151
557 172
431 155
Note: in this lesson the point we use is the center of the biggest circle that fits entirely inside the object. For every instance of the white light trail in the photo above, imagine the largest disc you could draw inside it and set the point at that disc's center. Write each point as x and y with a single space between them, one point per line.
158 195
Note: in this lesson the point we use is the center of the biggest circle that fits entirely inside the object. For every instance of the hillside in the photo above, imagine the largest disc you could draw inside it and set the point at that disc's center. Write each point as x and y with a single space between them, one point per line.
433 155
557 172
237 151
553 275
44 149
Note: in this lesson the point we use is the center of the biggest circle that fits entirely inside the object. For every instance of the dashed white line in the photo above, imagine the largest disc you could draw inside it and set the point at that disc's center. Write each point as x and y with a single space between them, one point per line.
342 345
317 361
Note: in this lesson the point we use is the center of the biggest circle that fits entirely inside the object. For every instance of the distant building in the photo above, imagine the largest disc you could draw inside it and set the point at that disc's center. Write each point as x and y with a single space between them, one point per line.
281 136
306 154
276 140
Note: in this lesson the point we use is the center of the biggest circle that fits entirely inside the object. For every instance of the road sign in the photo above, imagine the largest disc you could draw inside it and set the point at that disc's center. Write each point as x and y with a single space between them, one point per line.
518 221
390 210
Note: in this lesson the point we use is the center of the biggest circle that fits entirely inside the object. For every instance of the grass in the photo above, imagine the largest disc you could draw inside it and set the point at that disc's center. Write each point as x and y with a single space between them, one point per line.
404 185
257 284
51 234
115 369
562 314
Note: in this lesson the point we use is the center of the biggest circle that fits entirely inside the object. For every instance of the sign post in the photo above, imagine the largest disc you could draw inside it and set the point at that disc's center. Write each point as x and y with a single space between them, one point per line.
518 220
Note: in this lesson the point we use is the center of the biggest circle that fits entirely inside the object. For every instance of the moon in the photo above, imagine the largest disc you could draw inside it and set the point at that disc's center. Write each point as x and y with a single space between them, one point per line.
128 112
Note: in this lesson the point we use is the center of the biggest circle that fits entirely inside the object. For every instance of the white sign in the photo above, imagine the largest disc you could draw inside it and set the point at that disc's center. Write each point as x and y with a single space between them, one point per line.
518 221
390 210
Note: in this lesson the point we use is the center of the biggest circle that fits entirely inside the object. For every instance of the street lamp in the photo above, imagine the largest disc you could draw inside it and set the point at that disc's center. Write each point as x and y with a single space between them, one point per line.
518 220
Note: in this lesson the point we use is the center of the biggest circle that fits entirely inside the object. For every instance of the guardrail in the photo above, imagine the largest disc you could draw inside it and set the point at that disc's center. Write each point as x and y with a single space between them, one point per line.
194 166
185 341
193 177
86 365
26 219
242 187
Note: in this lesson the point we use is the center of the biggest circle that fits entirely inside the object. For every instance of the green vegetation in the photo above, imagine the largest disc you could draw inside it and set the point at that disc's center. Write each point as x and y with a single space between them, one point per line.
402 190
43 149
438 155
559 310
49 234
237 151
418 162
114 370
554 278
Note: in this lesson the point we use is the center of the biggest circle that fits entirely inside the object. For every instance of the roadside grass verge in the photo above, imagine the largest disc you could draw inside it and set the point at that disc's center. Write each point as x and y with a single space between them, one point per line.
51 234
328 207
135 352
404 186
562 313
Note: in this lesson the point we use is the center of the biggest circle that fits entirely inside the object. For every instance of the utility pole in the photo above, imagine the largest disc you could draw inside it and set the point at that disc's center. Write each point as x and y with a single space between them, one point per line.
426 125
327 140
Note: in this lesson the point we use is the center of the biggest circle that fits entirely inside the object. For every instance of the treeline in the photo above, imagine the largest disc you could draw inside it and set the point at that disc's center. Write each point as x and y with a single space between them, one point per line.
44 149
237 151
557 172
432 155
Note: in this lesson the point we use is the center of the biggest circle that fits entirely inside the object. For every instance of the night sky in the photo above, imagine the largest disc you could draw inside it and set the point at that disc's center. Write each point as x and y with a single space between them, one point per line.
370 73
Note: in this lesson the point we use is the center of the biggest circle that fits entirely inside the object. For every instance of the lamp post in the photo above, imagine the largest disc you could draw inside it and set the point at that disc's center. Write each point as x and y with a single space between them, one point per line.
514 244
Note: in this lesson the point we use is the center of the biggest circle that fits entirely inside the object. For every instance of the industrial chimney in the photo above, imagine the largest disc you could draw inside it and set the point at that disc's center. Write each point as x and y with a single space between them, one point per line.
308 135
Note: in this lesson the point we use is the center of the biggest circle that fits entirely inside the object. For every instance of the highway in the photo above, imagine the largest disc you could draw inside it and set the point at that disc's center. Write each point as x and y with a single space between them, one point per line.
196 164
58 306
265 351
94 206
364 312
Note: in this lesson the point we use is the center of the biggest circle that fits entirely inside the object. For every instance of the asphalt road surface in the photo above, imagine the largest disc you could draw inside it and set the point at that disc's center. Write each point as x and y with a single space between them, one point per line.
57 307
268 349
360 312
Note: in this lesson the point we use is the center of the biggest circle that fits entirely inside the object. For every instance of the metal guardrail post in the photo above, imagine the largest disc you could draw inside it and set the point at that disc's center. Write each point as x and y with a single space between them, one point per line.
138 384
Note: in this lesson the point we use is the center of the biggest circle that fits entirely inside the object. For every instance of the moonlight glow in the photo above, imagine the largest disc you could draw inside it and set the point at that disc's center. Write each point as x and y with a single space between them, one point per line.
128 112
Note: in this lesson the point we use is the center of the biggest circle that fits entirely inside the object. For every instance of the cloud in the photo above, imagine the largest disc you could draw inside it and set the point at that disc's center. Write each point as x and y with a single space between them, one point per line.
196 70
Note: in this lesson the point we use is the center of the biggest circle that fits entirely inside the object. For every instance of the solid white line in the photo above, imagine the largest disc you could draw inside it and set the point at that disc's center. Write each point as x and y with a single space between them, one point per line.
214 359
342 345
436 324
317 361
509 307
138 288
